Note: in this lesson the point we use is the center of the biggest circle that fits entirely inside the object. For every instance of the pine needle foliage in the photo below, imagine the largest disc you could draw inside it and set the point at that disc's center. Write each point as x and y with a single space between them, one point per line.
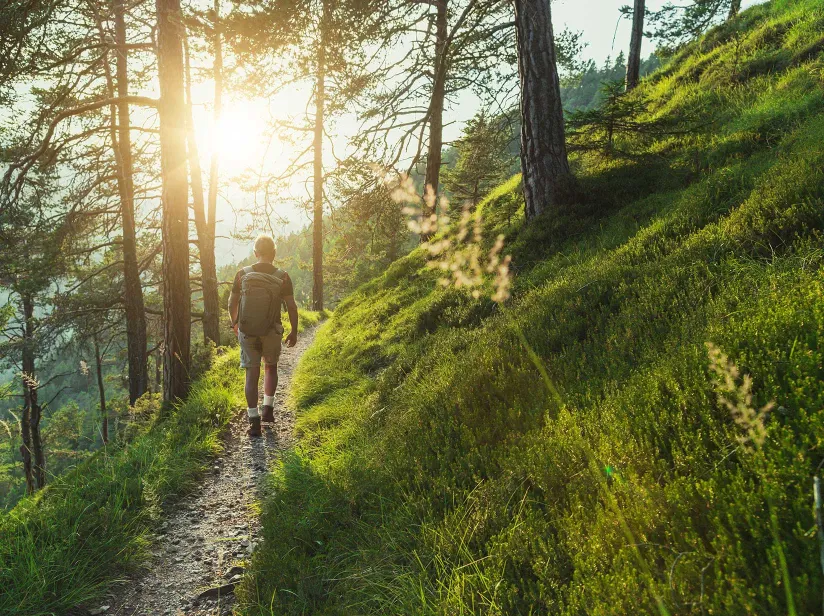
619 114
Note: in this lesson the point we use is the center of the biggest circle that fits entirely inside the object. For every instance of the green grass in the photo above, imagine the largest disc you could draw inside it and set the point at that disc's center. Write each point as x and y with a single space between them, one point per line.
306 318
67 544
567 453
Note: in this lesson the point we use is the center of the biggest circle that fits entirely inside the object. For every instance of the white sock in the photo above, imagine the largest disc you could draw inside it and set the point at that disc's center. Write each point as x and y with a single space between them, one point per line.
268 400
252 412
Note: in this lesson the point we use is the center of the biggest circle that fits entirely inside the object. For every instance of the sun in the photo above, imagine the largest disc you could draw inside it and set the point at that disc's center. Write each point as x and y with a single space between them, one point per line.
238 138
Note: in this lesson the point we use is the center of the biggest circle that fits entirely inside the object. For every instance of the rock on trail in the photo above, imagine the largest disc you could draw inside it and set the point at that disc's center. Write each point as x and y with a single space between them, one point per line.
199 554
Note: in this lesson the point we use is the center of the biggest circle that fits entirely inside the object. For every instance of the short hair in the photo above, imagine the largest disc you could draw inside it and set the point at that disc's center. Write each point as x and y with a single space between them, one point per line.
265 247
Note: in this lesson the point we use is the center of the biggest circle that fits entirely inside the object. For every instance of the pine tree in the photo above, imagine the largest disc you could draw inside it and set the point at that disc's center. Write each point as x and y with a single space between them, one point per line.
176 290
634 57
547 180
467 46
483 160
325 41
676 23
616 114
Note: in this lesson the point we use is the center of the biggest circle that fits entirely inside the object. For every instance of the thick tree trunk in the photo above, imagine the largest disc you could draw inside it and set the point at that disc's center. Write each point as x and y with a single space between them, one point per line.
133 291
547 180
176 291
104 414
211 312
634 58
735 7
436 107
317 223
34 456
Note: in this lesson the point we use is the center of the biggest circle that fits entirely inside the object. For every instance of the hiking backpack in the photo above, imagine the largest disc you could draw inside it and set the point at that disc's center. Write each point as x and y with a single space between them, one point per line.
260 298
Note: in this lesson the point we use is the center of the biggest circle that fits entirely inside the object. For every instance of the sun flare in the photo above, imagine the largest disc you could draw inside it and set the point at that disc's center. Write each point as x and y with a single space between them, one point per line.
239 137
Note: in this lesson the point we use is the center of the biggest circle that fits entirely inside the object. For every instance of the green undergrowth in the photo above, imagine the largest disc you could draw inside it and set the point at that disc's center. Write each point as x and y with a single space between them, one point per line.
567 452
306 318
67 544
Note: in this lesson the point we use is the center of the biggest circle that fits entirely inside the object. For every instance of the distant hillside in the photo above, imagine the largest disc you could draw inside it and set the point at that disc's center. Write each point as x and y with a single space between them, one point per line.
579 450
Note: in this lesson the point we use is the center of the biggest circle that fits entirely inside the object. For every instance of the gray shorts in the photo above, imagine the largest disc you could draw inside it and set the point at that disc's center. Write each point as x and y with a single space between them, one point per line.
255 348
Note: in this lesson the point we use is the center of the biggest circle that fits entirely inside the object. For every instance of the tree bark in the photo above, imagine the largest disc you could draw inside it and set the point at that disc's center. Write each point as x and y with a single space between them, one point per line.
634 58
158 371
436 106
210 283
104 415
25 418
211 311
34 456
133 291
547 180
175 226
317 223
735 7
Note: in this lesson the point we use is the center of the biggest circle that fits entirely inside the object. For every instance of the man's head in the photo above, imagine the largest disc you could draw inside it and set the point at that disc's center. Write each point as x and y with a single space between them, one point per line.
265 248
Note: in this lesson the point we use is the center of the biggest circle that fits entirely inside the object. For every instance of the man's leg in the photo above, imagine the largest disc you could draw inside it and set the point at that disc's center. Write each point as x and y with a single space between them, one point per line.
250 360
270 384
271 355
252 379
270 379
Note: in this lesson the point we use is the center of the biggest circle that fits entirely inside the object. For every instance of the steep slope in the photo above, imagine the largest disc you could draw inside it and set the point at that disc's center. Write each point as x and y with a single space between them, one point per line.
569 452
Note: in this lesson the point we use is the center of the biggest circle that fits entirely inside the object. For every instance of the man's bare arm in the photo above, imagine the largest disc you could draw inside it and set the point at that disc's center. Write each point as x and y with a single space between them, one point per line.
234 303
292 309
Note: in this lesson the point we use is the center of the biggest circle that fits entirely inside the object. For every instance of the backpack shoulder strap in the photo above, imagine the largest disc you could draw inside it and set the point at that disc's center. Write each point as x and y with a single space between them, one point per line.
249 269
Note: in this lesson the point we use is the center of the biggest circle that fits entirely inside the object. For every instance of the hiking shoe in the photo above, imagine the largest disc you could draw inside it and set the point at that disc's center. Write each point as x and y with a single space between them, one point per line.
254 426
267 413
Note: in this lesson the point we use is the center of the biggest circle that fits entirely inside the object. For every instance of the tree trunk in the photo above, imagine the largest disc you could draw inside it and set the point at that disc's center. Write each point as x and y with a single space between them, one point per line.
25 418
317 224
25 450
133 291
210 285
634 58
34 455
104 415
211 312
158 371
735 7
436 107
393 249
547 180
175 225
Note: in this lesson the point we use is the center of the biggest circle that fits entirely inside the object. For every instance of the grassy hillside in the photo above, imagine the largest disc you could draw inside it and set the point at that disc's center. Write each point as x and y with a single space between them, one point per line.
66 544
570 452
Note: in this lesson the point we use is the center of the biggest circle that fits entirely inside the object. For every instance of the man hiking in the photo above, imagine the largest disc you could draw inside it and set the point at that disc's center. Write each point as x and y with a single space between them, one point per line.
254 307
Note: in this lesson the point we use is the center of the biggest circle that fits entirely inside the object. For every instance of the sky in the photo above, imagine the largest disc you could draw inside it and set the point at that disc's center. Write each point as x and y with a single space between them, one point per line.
238 139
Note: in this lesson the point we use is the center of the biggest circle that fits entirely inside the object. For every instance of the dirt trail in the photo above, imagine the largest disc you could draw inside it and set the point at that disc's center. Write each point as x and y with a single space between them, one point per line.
208 534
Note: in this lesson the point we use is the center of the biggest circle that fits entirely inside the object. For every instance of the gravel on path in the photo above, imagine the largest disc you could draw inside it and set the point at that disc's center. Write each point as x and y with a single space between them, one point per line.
199 554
